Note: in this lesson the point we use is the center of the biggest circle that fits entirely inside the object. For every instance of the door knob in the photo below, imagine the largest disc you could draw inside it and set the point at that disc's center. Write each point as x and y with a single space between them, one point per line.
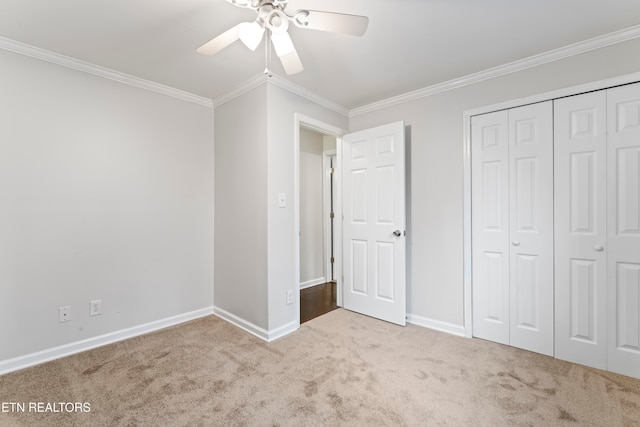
516 243
598 248
397 233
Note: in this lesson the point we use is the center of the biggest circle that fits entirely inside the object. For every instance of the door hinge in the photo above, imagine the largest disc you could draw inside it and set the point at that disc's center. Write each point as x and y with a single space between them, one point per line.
331 171
333 260
331 215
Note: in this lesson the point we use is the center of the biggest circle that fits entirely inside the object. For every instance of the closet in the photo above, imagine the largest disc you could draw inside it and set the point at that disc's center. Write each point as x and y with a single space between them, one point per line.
512 226
555 215
597 229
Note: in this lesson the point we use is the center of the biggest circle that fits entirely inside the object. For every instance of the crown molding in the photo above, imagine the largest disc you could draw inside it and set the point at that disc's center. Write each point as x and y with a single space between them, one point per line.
76 64
511 67
245 87
284 84
508 68
307 94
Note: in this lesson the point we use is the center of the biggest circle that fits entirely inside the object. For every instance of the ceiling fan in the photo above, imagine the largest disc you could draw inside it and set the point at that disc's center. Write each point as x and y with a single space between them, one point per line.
273 21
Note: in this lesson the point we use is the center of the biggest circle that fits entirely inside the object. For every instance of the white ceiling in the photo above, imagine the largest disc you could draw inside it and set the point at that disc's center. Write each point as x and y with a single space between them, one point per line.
410 44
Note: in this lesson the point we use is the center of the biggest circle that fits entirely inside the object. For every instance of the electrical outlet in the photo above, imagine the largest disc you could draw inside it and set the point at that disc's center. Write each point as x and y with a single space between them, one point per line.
289 297
95 307
64 314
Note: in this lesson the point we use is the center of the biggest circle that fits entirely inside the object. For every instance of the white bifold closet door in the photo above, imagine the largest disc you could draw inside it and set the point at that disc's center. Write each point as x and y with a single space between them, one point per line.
580 146
597 229
490 225
512 223
623 229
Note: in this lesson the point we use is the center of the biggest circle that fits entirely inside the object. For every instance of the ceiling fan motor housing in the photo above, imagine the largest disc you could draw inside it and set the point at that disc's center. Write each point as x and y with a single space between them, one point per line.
274 19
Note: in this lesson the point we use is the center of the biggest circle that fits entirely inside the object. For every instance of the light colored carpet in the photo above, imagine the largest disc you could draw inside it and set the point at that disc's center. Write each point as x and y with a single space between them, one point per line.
338 369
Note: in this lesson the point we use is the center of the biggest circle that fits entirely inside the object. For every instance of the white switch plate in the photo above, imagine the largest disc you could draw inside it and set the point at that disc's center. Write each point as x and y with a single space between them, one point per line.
289 297
64 314
282 200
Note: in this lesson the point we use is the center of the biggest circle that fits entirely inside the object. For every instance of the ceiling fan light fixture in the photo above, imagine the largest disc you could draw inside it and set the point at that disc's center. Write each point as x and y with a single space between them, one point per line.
282 44
251 34
291 63
285 50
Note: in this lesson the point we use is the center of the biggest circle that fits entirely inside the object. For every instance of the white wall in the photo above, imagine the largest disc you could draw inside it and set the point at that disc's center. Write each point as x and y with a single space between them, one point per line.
241 208
328 143
436 142
255 238
312 254
106 192
282 106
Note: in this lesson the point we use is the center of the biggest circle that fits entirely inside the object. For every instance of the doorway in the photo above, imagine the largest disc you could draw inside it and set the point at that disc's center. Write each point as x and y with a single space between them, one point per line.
317 202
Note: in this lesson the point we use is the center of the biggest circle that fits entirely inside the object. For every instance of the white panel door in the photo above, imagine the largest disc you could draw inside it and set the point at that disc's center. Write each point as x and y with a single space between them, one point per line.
374 222
531 227
490 226
623 229
580 146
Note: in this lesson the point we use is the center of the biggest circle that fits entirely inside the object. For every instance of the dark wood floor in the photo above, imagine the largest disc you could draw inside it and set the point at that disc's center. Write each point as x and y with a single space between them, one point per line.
317 300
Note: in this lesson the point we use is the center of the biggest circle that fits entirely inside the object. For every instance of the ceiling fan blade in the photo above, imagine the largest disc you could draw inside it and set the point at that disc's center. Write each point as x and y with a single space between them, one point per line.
249 4
222 41
287 53
330 21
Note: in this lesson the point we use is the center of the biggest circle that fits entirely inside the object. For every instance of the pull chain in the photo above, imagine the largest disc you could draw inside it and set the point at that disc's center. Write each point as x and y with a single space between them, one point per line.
267 53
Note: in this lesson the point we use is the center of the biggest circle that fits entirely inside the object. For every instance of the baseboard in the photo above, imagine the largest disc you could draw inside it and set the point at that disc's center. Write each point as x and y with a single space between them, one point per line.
313 282
54 353
241 323
437 325
257 331
283 330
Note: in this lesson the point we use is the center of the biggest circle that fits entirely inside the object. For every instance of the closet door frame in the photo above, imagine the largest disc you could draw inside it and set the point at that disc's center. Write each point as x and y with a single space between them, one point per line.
467 114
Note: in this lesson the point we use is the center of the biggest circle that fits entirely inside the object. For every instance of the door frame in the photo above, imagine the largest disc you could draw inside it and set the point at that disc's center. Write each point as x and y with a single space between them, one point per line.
328 196
466 153
326 129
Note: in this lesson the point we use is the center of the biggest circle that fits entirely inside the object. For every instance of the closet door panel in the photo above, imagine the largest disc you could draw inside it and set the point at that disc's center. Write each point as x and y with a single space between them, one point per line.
580 137
531 227
490 226
623 217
